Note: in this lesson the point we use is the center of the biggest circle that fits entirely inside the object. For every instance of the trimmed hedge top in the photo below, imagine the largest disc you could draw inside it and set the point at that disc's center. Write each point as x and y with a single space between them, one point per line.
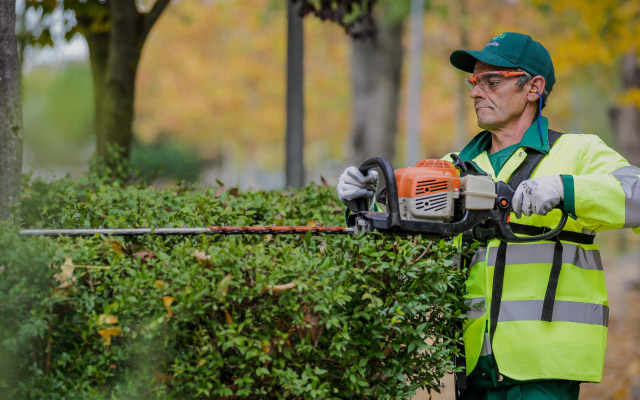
212 316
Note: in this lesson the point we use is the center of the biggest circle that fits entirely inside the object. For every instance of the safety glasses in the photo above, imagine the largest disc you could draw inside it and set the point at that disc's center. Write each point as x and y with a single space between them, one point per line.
490 81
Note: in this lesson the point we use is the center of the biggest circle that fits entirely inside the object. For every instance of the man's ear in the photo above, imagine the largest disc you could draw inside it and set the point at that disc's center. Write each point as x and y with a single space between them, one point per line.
535 88
536 85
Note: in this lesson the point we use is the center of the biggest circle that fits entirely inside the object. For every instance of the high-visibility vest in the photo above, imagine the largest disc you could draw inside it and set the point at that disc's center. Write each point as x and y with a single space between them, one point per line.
603 192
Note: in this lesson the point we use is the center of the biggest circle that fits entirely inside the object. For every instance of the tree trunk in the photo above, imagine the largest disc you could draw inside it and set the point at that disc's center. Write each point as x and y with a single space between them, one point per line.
376 67
116 114
625 120
115 56
10 112
295 97
413 149
98 55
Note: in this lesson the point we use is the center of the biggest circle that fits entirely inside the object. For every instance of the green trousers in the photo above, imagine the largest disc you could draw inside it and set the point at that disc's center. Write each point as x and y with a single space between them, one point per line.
541 390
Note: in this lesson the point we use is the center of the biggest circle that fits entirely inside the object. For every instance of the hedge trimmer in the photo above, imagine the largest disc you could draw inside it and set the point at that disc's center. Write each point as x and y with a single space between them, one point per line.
430 198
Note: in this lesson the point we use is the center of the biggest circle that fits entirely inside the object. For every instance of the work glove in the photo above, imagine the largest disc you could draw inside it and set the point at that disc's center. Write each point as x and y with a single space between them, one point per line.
353 185
538 195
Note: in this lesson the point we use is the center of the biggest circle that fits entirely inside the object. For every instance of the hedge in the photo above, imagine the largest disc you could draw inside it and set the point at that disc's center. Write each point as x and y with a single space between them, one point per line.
213 316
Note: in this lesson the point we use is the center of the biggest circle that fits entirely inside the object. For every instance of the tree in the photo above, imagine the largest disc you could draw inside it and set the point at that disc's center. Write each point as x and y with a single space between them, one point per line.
294 160
116 31
355 16
376 69
10 112
414 83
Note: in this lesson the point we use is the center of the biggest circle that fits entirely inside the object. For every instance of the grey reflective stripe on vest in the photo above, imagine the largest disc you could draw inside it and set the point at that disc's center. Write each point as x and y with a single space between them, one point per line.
568 311
628 177
479 256
477 308
486 346
542 253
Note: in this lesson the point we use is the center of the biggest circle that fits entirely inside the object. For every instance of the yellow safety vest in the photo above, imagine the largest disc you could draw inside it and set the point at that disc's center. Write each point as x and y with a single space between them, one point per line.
602 191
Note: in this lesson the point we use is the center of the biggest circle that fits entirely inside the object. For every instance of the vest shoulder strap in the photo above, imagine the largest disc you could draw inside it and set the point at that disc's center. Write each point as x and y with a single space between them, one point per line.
524 170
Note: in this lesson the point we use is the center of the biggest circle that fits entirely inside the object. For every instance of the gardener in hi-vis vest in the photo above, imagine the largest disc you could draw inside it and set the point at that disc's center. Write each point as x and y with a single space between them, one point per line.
539 311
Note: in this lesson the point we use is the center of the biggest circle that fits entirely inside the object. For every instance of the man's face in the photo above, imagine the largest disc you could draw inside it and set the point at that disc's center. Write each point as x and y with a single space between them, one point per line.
498 107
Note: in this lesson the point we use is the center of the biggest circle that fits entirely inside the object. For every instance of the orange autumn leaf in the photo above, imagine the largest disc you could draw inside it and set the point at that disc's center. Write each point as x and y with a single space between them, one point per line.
227 316
107 319
167 300
224 284
108 333
159 284
265 347
115 246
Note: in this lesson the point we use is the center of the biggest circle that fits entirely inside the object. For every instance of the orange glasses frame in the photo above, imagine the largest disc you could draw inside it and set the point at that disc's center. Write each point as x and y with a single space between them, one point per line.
473 81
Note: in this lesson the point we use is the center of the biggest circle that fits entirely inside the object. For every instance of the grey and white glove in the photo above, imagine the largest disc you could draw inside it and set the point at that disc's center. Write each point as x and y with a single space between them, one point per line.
353 185
538 195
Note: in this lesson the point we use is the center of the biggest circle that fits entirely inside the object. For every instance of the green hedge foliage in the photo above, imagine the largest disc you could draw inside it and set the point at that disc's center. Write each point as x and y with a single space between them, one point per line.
218 317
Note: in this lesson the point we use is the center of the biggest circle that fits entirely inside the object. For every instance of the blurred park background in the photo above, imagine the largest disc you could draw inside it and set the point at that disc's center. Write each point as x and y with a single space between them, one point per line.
210 89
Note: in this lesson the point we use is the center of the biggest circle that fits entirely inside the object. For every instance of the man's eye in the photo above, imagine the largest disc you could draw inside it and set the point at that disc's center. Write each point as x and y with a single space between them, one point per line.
494 82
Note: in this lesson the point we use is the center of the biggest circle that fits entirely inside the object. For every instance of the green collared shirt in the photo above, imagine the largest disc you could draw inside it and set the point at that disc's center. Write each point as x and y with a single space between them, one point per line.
531 139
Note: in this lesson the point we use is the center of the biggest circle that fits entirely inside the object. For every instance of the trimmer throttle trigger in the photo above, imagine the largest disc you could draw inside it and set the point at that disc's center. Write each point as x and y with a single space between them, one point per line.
458 163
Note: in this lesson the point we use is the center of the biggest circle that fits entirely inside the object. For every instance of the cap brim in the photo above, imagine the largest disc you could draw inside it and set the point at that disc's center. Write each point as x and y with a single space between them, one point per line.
465 60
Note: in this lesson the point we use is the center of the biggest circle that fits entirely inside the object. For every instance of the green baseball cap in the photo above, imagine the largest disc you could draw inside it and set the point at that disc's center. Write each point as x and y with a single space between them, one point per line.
509 49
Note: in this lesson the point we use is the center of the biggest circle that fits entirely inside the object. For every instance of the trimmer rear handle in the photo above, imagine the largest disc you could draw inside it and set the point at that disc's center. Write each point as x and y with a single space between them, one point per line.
393 206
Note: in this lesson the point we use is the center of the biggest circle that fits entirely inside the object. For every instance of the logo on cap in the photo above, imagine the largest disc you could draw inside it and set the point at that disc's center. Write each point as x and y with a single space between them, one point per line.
493 42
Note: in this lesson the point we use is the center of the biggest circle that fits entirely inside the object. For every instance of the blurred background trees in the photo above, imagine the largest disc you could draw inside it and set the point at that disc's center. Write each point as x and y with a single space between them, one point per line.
115 32
211 82
607 35
202 95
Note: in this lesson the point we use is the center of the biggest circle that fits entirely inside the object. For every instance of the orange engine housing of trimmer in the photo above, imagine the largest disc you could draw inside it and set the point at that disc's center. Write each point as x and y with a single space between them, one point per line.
428 190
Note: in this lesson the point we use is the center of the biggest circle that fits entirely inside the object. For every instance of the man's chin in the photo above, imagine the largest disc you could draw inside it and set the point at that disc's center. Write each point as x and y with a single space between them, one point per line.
485 123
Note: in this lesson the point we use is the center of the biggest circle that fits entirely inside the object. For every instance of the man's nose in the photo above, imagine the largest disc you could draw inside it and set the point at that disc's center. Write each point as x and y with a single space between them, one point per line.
476 92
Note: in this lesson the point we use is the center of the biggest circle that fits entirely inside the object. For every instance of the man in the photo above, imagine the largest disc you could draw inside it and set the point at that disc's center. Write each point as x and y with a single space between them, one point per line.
539 311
